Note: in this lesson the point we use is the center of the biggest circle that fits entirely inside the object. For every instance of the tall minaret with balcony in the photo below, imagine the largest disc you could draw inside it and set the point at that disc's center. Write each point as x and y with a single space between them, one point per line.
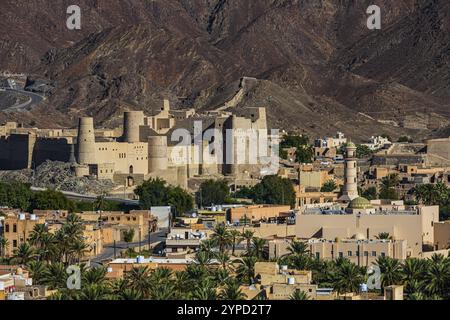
350 190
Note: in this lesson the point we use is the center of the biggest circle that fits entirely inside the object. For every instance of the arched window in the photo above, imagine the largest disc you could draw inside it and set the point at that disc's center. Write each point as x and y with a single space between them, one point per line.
131 170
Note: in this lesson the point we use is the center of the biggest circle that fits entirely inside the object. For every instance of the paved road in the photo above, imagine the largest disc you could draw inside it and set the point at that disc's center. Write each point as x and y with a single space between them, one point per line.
90 198
34 99
108 251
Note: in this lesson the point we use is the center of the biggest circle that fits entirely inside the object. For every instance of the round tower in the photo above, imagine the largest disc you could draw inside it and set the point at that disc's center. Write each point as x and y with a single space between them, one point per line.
350 191
86 141
132 121
157 153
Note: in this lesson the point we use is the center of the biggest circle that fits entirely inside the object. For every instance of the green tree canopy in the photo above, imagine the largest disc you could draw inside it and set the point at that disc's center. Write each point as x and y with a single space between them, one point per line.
304 153
156 192
329 186
213 192
274 190
15 195
51 200
388 185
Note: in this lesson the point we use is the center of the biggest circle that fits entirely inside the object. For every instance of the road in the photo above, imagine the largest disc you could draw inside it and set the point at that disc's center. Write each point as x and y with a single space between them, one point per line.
108 251
34 99
90 198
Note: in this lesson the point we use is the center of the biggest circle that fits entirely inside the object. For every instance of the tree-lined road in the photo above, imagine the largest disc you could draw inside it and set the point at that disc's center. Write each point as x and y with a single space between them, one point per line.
108 251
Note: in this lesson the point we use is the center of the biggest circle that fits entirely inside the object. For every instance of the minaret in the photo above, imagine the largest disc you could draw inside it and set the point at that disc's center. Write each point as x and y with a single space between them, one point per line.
350 191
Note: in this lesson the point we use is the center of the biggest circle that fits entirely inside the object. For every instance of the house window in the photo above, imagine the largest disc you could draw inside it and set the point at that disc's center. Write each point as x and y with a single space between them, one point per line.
366 253
14 243
350 253
14 228
318 255
383 254
374 253
6 227
341 254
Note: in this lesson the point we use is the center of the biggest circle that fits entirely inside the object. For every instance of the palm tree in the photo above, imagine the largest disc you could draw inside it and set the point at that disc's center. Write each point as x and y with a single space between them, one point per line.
391 271
348 278
55 276
203 259
95 276
223 258
258 245
413 269
38 234
222 237
160 275
208 245
182 281
94 292
413 287
247 235
232 291
48 250
23 254
163 291
298 256
4 243
416 296
204 291
37 271
438 276
128 236
298 248
79 248
236 239
129 294
100 202
139 279
383 236
246 269
221 276
299 295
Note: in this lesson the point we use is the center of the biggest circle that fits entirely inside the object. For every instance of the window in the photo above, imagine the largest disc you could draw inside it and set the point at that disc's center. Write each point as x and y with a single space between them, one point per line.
318 255
341 254
14 228
383 254
374 253
350 253
14 243
6 227
366 253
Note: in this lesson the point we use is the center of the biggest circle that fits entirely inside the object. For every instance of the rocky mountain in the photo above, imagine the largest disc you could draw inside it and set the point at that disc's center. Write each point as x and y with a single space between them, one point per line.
313 63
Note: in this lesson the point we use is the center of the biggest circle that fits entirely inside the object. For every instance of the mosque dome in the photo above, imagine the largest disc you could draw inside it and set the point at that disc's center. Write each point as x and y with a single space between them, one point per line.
351 145
360 203
359 236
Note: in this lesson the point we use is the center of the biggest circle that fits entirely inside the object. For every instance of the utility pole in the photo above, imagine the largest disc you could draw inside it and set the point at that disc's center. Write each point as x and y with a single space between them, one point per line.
139 240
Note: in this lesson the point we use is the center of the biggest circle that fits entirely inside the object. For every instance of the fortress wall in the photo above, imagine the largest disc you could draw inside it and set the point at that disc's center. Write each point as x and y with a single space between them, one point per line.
51 149
126 157
4 152
21 150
